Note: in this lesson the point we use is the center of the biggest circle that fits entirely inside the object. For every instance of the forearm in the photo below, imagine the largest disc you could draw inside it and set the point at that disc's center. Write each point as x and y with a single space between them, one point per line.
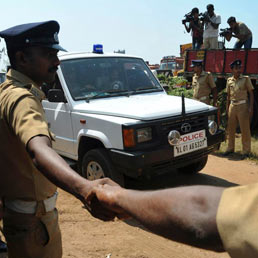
56 169
186 214
188 29
215 96
251 104
214 25
239 36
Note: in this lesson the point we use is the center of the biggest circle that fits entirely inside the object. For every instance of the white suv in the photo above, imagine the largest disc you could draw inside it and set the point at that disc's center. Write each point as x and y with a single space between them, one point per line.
110 114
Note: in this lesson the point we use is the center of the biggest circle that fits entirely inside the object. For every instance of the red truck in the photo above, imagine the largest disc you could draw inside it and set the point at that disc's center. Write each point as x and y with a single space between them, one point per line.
218 63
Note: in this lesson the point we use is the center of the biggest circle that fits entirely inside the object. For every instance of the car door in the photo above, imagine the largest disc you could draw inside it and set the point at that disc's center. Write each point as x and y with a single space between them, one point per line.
58 115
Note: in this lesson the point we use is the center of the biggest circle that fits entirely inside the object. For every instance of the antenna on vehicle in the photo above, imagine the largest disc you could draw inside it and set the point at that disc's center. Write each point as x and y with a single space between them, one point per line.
183 105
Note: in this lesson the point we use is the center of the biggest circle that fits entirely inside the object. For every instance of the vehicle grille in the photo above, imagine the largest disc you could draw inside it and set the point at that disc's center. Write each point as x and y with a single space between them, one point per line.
196 122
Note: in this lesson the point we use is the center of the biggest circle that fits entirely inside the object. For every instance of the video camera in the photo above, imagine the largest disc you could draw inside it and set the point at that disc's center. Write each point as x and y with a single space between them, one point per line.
225 32
204 17
188 18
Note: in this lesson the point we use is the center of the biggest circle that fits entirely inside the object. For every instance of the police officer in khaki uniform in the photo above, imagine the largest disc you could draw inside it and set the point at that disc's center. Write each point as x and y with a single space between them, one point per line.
214 218
238 109
203 84
30 169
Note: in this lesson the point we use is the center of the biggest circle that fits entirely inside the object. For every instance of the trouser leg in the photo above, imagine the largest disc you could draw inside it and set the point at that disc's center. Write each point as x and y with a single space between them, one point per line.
214 42
206 101
244 122
29 236
206 43
232 124
248 43
238 45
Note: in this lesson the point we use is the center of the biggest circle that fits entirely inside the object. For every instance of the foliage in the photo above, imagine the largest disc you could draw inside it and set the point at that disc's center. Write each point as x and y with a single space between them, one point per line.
179 85
173 81
188 93
222 102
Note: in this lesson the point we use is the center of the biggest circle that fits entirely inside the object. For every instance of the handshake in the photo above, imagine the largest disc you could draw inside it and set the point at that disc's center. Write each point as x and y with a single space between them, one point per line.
101 200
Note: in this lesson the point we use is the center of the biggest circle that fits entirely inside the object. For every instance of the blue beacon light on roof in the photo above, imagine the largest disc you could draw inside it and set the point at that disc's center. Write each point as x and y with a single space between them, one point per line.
98 49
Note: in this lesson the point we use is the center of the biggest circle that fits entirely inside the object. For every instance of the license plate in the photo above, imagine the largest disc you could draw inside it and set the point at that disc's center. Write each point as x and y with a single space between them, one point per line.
191 142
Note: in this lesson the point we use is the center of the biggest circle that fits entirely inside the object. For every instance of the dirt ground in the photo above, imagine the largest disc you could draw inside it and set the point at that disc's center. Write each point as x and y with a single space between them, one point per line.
85 236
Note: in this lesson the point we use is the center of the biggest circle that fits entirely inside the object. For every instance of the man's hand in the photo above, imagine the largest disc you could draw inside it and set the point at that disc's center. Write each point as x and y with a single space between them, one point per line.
107 195
93 205
251 111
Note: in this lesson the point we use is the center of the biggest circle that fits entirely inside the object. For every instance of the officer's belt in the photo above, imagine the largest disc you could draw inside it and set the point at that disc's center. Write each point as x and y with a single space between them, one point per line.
237 102
204 98
30 207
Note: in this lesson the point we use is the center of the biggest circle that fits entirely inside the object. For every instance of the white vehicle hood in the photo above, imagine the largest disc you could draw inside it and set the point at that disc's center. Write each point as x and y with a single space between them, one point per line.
141 107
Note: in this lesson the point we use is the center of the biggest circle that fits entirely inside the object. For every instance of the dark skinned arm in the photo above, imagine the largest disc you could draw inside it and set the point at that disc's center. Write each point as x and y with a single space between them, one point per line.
188 29
239 36
215 96
58 172
228 101
183 214
214 25
251 104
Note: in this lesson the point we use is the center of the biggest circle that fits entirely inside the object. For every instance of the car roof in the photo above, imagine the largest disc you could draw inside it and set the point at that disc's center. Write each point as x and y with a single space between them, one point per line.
75 55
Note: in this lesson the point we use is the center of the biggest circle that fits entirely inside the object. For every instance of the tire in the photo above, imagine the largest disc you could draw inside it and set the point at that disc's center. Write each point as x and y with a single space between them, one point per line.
194 167
96 164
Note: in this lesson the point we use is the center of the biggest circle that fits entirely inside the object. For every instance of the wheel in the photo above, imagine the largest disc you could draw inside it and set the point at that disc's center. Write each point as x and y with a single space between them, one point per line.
194 167
96 164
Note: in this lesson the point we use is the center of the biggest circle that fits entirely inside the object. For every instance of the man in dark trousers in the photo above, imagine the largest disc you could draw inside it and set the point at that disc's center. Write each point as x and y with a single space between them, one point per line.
241 32
196 28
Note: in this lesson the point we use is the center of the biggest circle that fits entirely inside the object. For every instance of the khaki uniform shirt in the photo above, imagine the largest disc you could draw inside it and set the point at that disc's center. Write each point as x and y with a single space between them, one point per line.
242 29
237 221
202 85
238 88
21 118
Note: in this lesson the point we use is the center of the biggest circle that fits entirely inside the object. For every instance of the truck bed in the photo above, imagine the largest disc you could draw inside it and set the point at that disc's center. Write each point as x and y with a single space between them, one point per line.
218 61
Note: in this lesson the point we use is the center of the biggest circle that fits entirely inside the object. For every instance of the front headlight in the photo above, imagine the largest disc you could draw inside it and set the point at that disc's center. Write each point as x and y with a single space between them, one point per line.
144 134
213 127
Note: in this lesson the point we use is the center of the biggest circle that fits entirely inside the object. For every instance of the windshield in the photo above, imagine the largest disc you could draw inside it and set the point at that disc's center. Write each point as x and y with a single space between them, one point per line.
107 76
167 66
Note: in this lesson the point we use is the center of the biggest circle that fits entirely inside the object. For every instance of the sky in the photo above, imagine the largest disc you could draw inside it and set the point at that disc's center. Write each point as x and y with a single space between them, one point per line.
150 29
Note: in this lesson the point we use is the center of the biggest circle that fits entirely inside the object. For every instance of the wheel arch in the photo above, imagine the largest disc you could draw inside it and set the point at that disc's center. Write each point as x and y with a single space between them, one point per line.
86 144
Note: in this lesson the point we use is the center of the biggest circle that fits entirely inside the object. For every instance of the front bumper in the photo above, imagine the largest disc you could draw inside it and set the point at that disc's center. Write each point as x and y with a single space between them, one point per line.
159 161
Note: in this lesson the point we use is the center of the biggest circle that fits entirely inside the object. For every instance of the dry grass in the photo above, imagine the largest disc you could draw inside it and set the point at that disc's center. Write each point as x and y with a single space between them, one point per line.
238 147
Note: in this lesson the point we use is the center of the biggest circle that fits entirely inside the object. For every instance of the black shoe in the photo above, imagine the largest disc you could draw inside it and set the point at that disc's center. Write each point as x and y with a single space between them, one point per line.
226 153
246 156
3 247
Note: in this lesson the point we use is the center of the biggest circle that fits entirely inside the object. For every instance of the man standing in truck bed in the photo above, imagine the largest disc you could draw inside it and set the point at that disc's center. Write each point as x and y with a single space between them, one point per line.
241 32
211 28
203 84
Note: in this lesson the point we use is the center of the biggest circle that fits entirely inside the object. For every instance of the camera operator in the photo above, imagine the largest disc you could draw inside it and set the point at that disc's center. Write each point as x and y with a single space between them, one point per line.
196 26
241 32
211 29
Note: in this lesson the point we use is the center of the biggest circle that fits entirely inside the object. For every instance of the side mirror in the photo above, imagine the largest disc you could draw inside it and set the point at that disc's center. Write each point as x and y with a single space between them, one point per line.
56 95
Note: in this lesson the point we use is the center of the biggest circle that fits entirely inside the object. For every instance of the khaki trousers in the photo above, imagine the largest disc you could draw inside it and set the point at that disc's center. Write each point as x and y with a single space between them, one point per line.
211 43
206 101
32 236
239 114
